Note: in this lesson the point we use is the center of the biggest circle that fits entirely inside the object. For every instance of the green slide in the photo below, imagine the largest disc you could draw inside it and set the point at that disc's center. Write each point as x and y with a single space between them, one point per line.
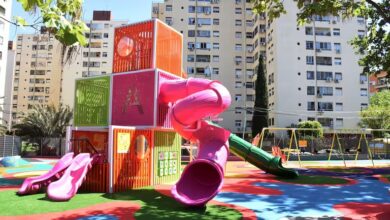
259 158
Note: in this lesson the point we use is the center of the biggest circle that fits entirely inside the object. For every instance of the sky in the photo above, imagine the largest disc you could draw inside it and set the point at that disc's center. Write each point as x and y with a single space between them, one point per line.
132 10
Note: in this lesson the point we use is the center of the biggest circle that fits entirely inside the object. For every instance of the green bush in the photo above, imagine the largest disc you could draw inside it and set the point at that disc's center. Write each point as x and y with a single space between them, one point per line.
310 134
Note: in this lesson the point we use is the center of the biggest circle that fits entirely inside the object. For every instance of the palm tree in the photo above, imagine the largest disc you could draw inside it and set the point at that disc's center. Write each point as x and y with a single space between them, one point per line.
45 121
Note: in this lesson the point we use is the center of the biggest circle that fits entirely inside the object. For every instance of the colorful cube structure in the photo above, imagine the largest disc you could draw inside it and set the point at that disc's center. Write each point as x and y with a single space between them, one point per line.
120 116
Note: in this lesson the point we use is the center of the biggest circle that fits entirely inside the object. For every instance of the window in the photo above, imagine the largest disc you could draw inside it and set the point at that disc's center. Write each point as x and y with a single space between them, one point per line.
339 122
216 58
363 106
309 45
325 91
250 98
237 123
325 61
215 33
238 97
105 35
168 8
337 61
249 85
238 73
309 30
322 32
203 58
216 46
190 58
337 47
215 21
338 76
238 110
238 34
321 75
339 106
169 20
238 47
310 75
216 9
336 32
238 11
238 84
310 106
238 23
338 91
190 70
309 60
216 71
323 46
310 90
361 34
325 106
363 92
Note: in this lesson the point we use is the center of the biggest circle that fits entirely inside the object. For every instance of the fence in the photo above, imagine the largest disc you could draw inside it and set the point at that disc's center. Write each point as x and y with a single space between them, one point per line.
9 146
46 147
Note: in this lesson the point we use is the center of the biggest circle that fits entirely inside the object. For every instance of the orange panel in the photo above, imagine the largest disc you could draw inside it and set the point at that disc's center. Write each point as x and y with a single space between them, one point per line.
129 171
169 49
141 54
97 179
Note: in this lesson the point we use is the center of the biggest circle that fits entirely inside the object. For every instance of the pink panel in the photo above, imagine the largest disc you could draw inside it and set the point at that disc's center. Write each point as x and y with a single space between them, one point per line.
133 99
163 119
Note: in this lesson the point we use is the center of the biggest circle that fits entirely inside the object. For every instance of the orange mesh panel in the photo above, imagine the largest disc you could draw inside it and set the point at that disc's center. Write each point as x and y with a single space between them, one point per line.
169 50
97 179
130 172
141 56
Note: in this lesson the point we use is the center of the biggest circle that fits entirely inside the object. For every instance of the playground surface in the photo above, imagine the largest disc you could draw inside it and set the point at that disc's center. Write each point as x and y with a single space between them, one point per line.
248 193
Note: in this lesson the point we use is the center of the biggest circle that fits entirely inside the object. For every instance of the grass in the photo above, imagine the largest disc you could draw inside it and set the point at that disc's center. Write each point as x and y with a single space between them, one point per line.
315 180
154 205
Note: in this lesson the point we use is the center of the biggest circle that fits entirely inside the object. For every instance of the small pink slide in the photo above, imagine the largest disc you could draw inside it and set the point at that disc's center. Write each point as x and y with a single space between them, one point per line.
33 184
66 187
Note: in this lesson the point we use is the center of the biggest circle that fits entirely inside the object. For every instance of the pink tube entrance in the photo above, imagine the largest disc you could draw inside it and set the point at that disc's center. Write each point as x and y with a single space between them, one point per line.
196 99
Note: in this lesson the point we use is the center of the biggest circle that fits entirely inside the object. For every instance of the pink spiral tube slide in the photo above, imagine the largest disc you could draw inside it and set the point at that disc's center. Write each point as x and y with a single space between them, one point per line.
196 99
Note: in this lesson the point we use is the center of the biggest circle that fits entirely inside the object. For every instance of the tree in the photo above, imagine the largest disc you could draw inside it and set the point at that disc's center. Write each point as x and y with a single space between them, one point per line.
374 46
260 114
315 130
45 122
62 18
377 115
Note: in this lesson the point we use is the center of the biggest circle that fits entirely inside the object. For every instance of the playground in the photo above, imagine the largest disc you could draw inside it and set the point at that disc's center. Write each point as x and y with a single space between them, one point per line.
248 193
123 154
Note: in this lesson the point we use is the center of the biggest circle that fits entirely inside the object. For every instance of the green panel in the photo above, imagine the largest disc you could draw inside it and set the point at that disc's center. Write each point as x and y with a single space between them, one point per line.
167 157
92 101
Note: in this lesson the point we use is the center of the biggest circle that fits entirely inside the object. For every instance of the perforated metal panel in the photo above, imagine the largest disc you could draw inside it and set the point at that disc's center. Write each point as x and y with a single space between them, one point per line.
92 101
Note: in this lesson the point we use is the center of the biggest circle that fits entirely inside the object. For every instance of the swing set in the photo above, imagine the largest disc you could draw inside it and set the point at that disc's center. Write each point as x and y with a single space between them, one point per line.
303 142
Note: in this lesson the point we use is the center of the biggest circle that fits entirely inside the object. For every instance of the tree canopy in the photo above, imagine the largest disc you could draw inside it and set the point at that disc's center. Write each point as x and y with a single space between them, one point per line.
374 46
377 115
45 121
260 114
62 18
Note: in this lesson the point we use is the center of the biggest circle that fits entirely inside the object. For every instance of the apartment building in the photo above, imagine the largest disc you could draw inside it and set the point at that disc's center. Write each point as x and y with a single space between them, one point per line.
9 82
379 82
223 41
37 73
5 13
94 59
313 72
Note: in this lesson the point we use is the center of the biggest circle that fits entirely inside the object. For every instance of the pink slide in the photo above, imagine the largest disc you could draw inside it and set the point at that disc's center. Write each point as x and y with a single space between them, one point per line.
196 99
66 187
33 184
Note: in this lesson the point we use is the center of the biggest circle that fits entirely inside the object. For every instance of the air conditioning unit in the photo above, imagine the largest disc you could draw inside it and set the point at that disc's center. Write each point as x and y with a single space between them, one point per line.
329 79
319 95
334 22
336 80
262 43
362 81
